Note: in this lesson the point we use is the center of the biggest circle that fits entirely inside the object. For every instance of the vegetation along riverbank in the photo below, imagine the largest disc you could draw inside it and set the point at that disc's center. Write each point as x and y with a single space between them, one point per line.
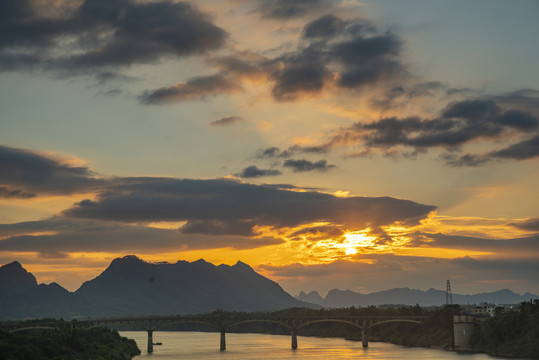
67 344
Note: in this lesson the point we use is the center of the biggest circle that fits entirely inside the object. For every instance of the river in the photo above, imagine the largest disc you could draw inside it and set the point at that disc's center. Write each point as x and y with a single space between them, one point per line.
203 345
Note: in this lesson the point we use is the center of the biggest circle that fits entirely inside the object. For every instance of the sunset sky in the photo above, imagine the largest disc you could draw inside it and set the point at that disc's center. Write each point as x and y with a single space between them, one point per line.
351 144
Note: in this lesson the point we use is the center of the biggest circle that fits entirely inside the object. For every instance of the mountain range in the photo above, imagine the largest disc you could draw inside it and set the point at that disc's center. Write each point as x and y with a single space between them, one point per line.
404 296
131 287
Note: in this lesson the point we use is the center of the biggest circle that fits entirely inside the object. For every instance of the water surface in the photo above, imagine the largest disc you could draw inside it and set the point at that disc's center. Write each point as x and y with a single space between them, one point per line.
202 345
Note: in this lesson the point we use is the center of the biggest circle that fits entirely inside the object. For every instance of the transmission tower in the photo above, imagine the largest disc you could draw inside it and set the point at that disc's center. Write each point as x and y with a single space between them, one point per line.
448 296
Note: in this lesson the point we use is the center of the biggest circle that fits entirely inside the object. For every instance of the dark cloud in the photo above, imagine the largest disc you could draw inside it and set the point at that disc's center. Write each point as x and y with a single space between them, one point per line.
332 53
298 78
7 192
314 233
72 235
287 9
518 269
347 54
245 64
401 95
103 33
215 207
523 247
215 227
306 165
465 160
382 265
273 152
384 271
324 27
459 123
230 120
520 99
526 149
530 224
194 89
26 174
165 199
254 172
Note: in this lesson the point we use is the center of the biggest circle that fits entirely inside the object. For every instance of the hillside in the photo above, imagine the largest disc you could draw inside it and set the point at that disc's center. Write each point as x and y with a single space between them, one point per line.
130 286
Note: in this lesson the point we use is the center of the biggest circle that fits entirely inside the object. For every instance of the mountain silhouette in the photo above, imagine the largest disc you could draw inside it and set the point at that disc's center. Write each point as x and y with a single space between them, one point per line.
132 287
404 296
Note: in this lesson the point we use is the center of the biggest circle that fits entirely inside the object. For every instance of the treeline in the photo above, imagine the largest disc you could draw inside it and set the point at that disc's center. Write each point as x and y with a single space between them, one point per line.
513 333
66 344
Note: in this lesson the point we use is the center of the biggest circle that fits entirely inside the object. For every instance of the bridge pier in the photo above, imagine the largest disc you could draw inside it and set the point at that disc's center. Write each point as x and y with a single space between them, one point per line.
364 340
150 341
294 339
223 340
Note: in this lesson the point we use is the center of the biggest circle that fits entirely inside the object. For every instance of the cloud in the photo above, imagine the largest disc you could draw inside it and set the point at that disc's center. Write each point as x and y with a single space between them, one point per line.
300 77
245 64
73 235
384 271
526 149
334 52
133 200
306 165
401 95
519 247
459 123
326 26
194 89
314 233
148 199
530 224
230 120
254 172
465 160
287 9
6 192
331 53
215 227
102 33
26 174
273 152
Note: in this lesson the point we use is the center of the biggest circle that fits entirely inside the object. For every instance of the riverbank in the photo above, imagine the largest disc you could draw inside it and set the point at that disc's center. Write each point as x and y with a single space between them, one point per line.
67 344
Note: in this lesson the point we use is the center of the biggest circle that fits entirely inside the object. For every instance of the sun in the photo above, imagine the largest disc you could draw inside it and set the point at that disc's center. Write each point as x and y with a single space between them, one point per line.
357 239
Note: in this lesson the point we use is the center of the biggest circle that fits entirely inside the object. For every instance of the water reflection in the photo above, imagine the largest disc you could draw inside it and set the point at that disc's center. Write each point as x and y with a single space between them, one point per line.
200 345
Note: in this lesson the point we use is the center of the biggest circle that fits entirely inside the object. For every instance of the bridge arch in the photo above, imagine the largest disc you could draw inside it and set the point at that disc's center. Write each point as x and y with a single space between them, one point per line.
177 322
330 320
393 320
261 321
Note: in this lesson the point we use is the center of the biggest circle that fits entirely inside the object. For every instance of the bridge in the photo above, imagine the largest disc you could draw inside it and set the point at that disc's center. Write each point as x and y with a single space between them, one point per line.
221 322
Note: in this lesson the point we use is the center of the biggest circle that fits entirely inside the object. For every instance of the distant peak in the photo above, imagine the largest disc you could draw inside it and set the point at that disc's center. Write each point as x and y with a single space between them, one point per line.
15 275
241 264
13 265
131 258
203 263
127 260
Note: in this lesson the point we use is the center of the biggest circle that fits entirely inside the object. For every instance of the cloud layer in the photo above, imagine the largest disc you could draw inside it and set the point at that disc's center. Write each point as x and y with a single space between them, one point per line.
26 174
460 123
102 33
226 210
